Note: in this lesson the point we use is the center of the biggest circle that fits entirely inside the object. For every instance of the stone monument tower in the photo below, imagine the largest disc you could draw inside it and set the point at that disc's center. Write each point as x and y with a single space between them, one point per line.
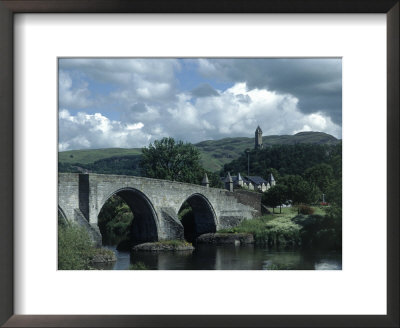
258 138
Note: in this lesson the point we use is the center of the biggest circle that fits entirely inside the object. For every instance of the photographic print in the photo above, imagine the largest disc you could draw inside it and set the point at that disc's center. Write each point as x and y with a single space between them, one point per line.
199 164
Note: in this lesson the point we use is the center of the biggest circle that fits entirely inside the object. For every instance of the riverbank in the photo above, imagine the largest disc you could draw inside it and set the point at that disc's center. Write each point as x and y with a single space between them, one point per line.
76 251
289 229
225 239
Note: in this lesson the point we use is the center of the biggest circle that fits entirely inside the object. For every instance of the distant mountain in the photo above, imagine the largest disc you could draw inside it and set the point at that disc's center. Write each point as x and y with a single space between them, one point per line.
214 153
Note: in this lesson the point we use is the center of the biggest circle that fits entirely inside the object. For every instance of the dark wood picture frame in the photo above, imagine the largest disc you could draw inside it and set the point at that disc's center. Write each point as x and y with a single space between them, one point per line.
7 201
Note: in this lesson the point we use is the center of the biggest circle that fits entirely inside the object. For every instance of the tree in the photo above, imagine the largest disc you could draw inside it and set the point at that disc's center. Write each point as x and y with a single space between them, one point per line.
171 160
334 193
274 172
321 175
275 196
299 191
214 178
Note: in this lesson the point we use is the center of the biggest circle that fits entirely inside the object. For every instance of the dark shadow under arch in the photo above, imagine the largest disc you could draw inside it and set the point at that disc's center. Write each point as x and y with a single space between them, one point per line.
200 220
144 224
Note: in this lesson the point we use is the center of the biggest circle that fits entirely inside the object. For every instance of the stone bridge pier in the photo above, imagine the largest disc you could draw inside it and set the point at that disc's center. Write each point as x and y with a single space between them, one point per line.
155 204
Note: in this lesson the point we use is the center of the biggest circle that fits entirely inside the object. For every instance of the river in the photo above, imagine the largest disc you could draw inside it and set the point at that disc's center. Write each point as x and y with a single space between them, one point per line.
229 257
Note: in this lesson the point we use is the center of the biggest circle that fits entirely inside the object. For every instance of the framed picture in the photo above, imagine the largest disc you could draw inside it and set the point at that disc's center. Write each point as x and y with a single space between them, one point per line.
55 62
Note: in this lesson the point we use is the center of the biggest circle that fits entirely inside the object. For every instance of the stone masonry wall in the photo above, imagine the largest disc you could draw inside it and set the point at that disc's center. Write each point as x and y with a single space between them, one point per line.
161 196
250 198
68 193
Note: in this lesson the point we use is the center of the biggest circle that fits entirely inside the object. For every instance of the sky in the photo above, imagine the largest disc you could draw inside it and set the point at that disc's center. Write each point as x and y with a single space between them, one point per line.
130 102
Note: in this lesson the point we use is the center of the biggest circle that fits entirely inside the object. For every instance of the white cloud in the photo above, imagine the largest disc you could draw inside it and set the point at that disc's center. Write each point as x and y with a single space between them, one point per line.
97 131
316 83
150 103
72 96
194 120
228 115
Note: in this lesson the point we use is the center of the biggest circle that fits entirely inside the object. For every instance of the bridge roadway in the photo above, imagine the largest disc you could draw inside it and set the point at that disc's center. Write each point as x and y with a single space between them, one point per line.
155 204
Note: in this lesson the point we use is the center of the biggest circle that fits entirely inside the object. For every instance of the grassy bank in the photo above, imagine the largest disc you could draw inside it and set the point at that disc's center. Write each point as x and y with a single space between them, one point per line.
75 250
321 229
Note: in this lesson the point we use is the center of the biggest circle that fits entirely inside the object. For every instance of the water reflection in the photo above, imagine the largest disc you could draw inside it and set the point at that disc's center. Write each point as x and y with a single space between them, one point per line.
227 257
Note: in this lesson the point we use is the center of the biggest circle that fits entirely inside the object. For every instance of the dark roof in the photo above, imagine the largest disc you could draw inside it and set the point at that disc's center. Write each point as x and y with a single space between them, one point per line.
258 129
256 180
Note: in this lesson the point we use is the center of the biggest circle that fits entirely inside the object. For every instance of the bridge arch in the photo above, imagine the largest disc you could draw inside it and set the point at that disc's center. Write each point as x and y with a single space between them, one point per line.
145 225
204 219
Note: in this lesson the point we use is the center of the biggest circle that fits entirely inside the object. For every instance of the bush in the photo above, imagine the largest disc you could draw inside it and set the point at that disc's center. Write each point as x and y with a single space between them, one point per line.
174 243
272 232
321 231
75 249
306 210
324 232
138 266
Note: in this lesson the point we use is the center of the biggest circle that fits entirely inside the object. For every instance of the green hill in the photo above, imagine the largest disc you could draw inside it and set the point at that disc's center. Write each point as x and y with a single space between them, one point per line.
86 156
214 153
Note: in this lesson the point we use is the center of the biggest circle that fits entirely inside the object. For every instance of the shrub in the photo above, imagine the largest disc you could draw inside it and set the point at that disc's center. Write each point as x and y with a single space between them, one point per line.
138 266
269 231
324 232
306 210
75 249
174 243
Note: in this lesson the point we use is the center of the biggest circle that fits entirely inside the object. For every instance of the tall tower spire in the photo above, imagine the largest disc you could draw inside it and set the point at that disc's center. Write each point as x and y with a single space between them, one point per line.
258 138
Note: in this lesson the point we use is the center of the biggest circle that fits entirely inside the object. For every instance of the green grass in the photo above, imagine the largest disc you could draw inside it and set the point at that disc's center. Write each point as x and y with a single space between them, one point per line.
274 230
270 230
87 156
292 211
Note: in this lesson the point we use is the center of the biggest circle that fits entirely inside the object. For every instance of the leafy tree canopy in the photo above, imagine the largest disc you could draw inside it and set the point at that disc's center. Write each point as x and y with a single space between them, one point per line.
321 175
171 160
287 160
299 190
275 196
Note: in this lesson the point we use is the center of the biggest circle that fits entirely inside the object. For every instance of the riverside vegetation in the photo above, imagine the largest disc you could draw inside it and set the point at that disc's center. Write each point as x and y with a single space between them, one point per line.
289 229
75 249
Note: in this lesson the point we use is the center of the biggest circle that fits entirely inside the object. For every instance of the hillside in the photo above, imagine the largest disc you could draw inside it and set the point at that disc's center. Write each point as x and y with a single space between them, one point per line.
214 153
86 156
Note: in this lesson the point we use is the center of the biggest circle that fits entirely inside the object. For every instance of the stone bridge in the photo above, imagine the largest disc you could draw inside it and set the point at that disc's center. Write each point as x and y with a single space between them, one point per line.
155 204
